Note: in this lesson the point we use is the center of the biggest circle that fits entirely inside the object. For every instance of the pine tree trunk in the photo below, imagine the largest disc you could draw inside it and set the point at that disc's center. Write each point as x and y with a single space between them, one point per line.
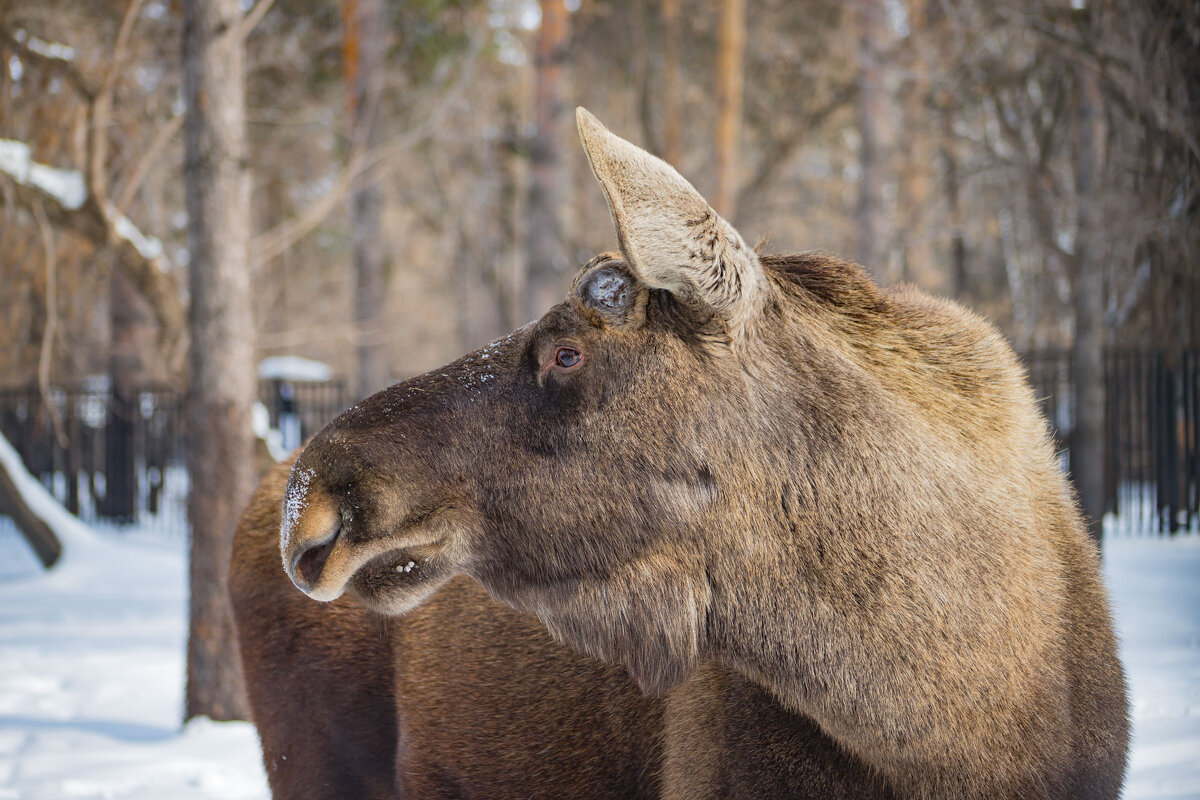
1088 443
364 44
220 442
731 57
547 261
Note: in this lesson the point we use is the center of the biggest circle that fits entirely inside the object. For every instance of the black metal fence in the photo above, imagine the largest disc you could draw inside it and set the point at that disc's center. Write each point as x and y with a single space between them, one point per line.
1152 469
123 463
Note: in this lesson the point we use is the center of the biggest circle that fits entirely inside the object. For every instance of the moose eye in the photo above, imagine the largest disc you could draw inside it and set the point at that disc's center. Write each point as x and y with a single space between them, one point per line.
567 357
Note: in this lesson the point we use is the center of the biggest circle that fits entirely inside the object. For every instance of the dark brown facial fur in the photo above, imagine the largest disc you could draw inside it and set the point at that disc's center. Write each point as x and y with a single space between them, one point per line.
461 698
841 500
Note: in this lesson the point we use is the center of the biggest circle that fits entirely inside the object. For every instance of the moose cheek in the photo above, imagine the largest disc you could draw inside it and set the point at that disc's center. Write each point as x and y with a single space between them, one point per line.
399 581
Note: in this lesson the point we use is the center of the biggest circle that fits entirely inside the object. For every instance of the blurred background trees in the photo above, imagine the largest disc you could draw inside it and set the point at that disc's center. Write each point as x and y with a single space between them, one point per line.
416 188
1012 155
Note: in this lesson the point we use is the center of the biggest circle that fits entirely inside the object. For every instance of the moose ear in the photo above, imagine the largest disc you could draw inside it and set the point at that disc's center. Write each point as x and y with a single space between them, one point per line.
670 236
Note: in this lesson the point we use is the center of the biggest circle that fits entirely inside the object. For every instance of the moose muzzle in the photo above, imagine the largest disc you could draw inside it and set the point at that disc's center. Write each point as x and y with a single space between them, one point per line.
309 540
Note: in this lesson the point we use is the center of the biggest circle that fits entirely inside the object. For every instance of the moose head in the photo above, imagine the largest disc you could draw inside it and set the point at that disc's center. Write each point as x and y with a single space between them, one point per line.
578 466
694 428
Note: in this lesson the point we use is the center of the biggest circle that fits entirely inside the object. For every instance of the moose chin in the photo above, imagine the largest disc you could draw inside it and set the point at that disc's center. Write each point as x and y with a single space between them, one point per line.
744 525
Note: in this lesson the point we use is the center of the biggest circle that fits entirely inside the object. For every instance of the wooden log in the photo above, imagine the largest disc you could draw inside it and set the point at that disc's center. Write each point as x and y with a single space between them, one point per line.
35 530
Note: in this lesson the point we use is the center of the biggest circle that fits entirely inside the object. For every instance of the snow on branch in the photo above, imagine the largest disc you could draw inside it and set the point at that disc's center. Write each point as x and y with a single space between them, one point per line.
139 256
64 185
55 50
68 189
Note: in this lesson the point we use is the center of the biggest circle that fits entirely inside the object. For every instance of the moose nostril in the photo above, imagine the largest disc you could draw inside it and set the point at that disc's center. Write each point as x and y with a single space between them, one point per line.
312 561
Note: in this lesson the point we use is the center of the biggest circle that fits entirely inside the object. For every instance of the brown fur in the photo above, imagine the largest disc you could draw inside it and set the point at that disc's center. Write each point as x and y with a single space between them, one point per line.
798 505
462 698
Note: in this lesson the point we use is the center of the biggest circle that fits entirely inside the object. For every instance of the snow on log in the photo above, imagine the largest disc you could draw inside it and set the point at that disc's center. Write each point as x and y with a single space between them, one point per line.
44 523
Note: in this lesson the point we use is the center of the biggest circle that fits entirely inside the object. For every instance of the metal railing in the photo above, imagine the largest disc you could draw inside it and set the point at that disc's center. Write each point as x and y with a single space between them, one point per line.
1152 410
123 464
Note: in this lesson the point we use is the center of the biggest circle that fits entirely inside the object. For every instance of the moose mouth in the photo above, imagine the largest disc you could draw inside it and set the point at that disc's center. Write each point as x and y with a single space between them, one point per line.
326 556
399 580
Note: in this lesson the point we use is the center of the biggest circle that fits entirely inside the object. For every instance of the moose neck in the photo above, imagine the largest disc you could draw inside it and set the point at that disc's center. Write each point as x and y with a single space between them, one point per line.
806 539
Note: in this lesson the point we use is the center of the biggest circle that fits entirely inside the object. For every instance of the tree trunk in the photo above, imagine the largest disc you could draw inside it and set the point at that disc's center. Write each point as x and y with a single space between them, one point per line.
363 47
871 110
1088 443
547 261
954 213
221 392
731 57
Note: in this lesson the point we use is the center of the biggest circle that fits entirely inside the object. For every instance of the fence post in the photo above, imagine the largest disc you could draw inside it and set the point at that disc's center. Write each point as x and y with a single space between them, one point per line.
74 454
120 479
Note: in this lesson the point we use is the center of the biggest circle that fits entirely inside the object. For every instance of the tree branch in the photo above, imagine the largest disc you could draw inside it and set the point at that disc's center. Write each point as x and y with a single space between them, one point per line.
374 163
50 329
142 169
146 274
56 66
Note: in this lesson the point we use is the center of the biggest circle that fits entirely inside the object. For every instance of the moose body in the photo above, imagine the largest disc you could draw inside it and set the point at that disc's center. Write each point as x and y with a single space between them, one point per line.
823 521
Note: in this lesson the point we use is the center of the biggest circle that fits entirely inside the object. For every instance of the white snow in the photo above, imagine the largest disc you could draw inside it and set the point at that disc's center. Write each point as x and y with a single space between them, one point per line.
151 247
92 670
55 50
64 185
293 368
1154 586
73 534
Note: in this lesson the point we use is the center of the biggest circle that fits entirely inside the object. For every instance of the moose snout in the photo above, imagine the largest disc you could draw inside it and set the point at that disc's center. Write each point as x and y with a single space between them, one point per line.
309 539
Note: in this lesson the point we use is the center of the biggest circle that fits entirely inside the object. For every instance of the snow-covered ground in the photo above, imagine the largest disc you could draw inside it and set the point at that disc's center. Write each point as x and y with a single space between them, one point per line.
91 674
1154 585
91 679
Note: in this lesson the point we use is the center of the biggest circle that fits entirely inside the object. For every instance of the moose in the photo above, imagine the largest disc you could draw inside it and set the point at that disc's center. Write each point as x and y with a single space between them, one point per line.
820 527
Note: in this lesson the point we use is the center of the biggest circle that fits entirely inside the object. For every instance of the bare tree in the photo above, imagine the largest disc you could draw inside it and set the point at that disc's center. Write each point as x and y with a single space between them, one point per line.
871 109
221 387
131 334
